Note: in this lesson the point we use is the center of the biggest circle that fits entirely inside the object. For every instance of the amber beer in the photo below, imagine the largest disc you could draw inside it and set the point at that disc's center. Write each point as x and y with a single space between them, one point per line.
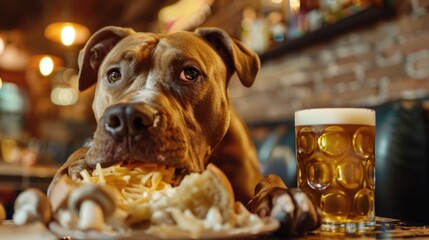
336 165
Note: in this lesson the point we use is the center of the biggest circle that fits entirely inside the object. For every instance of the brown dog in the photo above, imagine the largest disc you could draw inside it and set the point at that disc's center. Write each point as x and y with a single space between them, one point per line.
163 98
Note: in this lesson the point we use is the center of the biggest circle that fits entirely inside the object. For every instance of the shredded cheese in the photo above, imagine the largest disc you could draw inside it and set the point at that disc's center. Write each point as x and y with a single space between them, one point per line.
137 185
133 183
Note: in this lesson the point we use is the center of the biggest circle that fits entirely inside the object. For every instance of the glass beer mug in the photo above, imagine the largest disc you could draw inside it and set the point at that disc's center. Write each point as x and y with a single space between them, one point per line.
336 165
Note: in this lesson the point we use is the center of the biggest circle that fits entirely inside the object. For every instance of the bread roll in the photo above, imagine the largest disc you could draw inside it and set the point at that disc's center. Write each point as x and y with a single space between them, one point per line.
199 192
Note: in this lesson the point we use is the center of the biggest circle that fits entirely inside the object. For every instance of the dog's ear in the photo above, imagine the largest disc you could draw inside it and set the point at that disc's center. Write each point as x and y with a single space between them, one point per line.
95 50
245 62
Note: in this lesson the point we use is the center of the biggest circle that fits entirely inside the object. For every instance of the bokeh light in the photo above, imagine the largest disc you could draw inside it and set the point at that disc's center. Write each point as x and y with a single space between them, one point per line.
46 66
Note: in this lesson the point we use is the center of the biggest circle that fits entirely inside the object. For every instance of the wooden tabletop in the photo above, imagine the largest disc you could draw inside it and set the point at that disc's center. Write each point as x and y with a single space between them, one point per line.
386 228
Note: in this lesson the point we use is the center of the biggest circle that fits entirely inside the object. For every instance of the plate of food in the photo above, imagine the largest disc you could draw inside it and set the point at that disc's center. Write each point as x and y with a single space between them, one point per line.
137 200
169 232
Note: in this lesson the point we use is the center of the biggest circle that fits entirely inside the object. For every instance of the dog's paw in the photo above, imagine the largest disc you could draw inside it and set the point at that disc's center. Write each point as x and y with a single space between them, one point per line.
74 168
295 211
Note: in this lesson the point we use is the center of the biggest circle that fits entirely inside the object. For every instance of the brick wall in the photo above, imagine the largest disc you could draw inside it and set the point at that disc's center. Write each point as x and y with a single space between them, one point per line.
384 61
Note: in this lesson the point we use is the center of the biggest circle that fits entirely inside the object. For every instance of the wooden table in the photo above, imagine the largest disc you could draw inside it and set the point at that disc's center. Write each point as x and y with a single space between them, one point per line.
386 228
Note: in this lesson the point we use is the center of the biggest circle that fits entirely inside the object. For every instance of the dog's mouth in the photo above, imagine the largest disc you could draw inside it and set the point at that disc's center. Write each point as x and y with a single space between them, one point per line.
172 175
179 174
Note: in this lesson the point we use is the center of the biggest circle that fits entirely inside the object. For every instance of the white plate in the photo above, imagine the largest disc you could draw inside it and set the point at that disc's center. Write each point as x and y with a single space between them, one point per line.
168 233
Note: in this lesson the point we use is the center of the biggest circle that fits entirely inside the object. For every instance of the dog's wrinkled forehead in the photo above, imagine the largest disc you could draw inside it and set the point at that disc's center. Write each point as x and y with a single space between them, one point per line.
140 39
173 46
188 43
135 44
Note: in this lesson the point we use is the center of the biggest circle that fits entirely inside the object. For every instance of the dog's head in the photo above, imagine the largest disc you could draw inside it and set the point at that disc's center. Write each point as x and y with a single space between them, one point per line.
161 97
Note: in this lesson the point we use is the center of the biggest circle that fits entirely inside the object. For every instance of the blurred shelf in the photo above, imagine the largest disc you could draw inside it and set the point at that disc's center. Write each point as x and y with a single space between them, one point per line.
19 177
33 171
359 19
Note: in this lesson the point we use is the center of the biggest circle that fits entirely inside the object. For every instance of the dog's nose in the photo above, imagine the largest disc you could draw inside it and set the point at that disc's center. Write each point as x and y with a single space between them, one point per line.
128 119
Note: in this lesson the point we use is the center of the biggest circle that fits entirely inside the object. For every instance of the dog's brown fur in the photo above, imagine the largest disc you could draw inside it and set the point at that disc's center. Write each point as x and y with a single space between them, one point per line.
155 111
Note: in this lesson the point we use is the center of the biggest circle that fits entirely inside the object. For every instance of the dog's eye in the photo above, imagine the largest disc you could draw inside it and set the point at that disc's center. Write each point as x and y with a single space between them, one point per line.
114 75
189 74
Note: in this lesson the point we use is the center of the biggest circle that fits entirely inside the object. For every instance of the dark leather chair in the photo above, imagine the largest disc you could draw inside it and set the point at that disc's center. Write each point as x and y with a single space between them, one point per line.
402 161
401 157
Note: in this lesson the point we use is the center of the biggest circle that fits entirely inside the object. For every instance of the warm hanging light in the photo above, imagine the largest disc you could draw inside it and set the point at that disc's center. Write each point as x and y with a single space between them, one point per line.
67 33
45 63
2 45
46 66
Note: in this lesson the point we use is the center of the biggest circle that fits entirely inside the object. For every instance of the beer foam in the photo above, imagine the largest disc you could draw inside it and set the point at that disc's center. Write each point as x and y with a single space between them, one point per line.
322 116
